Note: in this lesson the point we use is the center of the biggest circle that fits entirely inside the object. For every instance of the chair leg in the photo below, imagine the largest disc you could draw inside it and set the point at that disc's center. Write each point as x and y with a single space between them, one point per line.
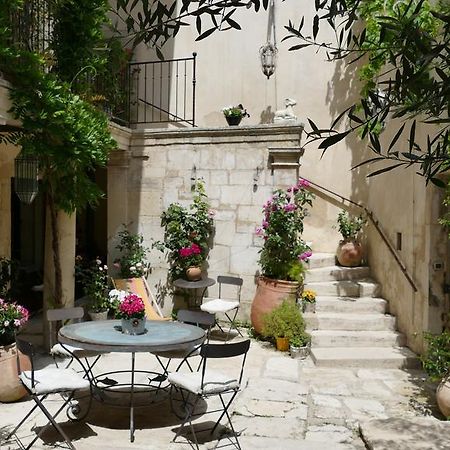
225 412
232 325
22 421
189 411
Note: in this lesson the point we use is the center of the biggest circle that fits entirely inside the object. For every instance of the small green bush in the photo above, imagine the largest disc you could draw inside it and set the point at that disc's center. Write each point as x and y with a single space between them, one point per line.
284 321
436 361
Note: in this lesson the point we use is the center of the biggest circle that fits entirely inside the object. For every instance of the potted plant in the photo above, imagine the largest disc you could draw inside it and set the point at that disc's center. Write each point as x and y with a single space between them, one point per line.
132 262
308 301
283 323
300 345
283 252
93 277
187 231
234 114
132 312
436 362
12 318
349 252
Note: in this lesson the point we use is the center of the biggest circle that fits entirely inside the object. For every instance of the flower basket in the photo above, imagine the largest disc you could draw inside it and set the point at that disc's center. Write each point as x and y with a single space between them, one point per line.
132 313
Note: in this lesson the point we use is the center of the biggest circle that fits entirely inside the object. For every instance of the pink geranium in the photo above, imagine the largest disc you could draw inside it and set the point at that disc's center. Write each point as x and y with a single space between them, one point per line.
132 307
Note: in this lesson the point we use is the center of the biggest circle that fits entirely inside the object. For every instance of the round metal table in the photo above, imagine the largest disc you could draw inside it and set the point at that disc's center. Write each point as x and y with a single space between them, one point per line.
203 284
106 336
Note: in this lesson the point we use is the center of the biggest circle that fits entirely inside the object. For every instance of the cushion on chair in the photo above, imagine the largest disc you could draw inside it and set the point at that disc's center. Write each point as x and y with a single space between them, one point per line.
67 351
214 382
52 379
219 305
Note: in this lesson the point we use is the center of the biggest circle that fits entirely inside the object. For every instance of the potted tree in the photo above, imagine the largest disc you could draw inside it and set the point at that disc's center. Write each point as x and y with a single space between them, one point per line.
283 323
187 231
436 362
349 252
283 252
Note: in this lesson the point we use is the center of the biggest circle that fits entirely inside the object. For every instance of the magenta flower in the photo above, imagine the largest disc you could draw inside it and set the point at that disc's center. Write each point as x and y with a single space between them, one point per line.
259 231
265 224
290 207
132 306
302 183
305 255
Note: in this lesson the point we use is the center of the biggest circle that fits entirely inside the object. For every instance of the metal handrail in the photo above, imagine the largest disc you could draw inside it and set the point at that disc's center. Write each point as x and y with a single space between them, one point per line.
376 225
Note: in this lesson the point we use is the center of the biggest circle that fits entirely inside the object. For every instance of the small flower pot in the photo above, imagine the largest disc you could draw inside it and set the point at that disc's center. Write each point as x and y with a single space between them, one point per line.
134 326
194 273
282 344
102 315
233 120
299 352
309 307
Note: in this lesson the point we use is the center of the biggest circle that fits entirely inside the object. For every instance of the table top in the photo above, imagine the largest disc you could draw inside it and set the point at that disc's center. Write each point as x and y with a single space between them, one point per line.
106 335
186 284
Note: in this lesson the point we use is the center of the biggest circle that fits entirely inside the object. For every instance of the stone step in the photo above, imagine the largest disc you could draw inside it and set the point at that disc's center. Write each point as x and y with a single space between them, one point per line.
345 288
365 357
349 322
321 260
369 305
343 338
337 273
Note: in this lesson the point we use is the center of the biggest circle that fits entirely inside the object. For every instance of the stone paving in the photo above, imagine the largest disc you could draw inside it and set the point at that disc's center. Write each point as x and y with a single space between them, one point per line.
285 404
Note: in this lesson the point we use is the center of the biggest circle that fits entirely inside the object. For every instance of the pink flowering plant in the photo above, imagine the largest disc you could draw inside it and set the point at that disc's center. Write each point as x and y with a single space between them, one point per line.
131 307
12 318
284 251
187 232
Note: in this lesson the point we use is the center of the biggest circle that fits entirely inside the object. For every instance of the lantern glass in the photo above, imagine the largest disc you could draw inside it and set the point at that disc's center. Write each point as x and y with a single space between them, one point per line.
26 185
268 55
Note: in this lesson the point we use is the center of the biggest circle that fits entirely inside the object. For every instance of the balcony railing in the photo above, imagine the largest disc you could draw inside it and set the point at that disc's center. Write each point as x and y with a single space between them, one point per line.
162 91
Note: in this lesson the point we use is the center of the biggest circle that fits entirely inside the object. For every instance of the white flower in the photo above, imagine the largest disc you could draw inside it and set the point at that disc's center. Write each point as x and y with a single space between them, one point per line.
98 262
6 323
139 264
105 267
17 323
116 294
132 269
101 269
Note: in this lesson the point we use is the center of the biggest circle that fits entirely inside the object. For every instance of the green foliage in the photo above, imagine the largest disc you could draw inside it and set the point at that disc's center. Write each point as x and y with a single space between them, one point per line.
300 340
235 111
133 260
185 227
349 226
436 361
284 321
284 251
8 277
93 276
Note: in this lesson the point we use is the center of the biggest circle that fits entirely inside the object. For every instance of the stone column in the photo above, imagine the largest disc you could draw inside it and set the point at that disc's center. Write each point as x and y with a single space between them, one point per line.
117 195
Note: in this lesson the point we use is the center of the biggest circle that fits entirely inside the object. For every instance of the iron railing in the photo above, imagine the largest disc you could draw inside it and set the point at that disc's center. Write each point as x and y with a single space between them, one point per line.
162 91
377 227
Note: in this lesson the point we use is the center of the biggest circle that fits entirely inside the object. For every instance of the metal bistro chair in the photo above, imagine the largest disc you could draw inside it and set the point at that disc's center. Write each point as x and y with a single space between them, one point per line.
208 383
198 318
68 351
50 380
225 305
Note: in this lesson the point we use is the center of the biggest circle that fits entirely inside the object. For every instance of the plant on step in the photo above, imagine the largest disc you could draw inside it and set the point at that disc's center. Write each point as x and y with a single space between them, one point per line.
300 340
349 226
187 231
284 251
436 360
286 321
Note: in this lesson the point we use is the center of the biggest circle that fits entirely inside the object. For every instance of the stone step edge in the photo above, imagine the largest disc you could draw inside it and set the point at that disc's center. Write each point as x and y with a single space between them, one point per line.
363 353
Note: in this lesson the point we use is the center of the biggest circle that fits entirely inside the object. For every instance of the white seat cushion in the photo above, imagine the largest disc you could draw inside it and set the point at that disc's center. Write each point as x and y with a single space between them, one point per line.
52 379
68 351
219 305
214 382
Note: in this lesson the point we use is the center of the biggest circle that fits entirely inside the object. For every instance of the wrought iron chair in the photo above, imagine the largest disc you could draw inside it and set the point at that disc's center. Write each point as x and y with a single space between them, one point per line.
198 318
208 383
51 380
68 351
224 304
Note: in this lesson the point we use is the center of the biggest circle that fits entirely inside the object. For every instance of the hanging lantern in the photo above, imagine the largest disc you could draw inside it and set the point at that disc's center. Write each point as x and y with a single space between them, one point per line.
26 170
268 55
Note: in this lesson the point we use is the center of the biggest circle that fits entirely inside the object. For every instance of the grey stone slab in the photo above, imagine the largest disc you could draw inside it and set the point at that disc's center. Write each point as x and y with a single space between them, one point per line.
259 443
329 433
283 368
399 434
264 408
330 388
365 408
274 427
275 390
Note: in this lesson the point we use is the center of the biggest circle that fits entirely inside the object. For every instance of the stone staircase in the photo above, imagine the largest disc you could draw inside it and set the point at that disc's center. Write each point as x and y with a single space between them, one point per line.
350 327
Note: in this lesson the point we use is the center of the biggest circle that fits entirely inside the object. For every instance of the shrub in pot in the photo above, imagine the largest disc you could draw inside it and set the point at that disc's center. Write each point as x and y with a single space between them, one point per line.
300 345
283 323
349 252
436 362
283 252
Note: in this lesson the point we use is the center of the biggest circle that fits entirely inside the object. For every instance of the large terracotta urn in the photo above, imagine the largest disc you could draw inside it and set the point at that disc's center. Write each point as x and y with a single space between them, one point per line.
349 253
11 389
443 397
270 293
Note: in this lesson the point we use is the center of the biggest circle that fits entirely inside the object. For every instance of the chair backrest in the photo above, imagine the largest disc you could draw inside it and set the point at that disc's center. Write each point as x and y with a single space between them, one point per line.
27 349
225 351
198 318
139 287
62 315
231 281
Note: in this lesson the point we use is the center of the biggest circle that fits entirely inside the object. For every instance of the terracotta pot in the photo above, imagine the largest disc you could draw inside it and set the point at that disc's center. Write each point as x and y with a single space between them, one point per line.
349 253
270 294
443 397
194 273
11 389
282 344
